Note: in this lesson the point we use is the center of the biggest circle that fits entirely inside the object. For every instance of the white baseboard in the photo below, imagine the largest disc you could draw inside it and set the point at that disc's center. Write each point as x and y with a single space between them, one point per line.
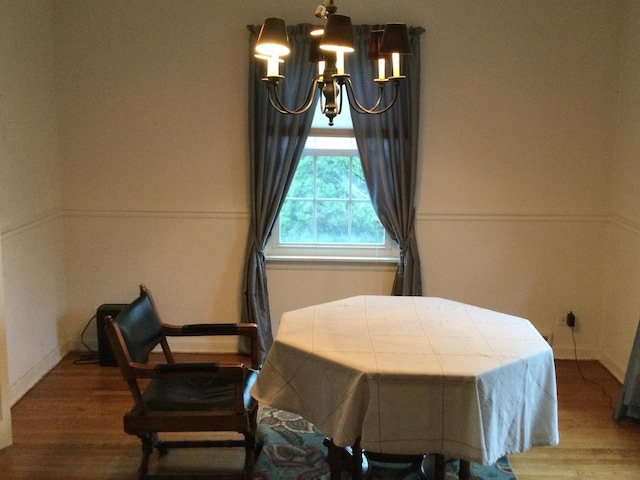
614 369
568 353
19 388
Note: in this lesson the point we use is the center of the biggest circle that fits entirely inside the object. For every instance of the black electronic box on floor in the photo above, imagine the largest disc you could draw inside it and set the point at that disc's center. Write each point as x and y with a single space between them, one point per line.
106 357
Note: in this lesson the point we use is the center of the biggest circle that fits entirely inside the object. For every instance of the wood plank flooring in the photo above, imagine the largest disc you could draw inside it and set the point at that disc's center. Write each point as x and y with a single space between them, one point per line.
592 445
69 427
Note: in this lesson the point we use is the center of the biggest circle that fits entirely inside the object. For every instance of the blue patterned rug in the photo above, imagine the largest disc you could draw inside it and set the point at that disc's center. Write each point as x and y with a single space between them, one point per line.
293 450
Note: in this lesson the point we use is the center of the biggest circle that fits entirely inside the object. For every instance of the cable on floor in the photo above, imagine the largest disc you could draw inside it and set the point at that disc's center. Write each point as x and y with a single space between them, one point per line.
92 356
604 391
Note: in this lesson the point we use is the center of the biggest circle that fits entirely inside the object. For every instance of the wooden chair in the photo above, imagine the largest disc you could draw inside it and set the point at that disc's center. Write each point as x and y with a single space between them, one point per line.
183 397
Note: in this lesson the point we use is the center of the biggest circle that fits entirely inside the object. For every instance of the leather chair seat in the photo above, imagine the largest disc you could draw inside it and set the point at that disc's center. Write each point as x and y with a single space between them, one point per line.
197 394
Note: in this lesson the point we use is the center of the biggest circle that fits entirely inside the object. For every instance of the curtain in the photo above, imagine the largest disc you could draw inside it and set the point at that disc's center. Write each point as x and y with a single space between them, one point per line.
629 402
388 146
276 142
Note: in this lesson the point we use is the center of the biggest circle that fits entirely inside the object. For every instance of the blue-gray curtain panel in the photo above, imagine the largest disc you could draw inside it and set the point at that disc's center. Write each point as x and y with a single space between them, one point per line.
388 146
276 143
629 402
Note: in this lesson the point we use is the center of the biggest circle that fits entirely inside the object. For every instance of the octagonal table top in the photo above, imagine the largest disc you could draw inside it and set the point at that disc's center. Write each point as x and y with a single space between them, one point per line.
415 375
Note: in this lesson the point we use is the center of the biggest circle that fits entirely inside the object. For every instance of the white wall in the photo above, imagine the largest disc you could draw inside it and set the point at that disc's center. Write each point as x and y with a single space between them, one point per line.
30 195
518 121
154 141
518 114
622 295
6 432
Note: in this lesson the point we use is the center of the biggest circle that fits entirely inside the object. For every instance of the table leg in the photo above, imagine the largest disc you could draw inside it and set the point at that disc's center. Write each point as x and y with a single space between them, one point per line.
439 464
348 459
465 470
356 461
335 454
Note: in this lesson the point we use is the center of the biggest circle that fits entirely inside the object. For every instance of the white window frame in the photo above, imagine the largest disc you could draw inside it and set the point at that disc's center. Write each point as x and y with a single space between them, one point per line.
276 250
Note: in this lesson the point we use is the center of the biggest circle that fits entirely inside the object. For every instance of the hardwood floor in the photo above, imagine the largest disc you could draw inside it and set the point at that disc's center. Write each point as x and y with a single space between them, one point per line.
69 427
592 445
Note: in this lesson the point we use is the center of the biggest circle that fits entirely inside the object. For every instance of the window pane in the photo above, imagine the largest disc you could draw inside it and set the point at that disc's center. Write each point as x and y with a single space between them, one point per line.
365 226
359 190
296 222
332 177
332 222
302 183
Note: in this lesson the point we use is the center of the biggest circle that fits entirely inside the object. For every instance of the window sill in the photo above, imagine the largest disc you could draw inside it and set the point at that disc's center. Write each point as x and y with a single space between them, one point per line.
299 259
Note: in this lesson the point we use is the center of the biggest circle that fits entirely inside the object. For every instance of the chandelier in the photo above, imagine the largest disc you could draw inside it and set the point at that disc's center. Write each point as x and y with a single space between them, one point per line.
329 44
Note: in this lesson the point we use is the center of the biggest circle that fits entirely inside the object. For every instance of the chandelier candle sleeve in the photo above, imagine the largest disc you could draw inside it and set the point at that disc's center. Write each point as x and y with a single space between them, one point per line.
381 70
395 62
273 66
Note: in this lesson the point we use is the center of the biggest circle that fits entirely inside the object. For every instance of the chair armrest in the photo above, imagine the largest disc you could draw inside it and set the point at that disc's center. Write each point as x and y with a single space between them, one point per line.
213 329
186 367
233 371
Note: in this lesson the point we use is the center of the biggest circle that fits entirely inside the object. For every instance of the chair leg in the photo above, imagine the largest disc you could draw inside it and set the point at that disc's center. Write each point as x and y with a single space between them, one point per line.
249 455
159 445
147 449
251 448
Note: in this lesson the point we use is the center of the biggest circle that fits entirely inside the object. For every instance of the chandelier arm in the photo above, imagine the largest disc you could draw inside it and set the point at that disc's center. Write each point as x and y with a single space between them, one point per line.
355 103
322 101
357 106
274 99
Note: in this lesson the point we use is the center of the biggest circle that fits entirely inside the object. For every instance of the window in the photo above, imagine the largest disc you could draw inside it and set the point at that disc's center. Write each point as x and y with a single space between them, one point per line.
328 211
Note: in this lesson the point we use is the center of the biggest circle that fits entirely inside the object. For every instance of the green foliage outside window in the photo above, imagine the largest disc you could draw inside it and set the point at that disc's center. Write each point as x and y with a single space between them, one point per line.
329 203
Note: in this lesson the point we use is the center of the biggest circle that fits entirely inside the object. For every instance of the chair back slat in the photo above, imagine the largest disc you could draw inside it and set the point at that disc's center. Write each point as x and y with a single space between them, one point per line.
140 328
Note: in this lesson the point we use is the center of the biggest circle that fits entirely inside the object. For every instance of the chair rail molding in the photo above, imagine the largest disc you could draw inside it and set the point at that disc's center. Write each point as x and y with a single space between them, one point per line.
514 217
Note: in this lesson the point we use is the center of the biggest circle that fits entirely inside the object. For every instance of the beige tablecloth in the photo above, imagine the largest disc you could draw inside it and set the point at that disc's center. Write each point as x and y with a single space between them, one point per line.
413 375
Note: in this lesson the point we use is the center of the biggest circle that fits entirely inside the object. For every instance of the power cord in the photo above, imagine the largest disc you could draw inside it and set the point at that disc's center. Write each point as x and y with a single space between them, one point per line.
593 382
92 356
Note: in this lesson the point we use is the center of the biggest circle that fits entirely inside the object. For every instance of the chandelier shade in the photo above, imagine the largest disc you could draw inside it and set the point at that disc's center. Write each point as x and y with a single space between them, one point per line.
338 34
375 55
374 45
272 39
395 39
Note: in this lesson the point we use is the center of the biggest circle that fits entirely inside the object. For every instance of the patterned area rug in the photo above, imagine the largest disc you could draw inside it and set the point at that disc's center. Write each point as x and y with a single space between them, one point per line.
293 450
